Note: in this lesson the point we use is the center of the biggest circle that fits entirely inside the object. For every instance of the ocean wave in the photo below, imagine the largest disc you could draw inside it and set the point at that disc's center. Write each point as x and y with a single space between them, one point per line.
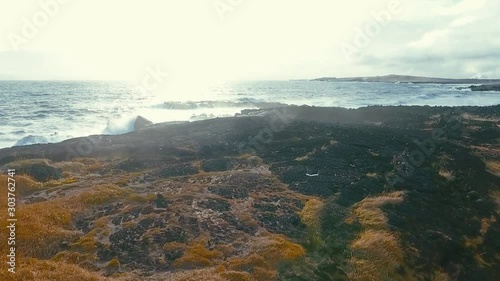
428 96
120 126
240 103
205 116
31 139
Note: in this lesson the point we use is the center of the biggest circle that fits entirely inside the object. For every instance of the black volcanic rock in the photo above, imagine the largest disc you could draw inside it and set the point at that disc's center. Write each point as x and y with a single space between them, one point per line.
490 87
334 186
141 123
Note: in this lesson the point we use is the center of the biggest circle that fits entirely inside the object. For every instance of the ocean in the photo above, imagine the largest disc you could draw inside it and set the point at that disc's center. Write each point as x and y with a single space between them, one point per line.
52 111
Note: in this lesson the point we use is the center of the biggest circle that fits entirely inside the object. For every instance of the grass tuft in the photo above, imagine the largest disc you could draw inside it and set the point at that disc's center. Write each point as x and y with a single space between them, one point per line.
25 185
197 256
310 217
48 270
376 252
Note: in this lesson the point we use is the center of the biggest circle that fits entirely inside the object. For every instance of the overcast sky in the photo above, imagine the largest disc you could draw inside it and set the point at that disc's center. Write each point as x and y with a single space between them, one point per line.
196 40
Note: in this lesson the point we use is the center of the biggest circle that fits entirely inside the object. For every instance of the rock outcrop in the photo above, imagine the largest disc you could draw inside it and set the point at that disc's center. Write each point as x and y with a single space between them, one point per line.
487 87
141 123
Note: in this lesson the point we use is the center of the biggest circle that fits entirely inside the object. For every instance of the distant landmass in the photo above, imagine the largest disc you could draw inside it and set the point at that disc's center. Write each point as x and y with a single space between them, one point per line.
410 79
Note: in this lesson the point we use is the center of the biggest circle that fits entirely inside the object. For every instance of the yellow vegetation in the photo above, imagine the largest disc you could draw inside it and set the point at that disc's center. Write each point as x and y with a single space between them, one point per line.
70 167
48 224
369 213
266 253
102 194
77 258
206 274
493 167
86 243
29 269
24 184
173 246
310 217
247 263
236 276
277 249
247 220
53 183
141 198
376 252
113 263
196 256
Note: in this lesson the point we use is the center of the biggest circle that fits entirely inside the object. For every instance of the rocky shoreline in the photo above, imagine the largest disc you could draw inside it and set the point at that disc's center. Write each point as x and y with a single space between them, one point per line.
290 193
487 87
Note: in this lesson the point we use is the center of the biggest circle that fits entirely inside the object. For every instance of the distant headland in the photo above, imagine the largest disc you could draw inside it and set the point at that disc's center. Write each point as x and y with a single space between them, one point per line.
411 79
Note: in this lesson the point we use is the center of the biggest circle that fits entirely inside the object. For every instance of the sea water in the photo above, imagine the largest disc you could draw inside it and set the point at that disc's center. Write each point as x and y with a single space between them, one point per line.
52 111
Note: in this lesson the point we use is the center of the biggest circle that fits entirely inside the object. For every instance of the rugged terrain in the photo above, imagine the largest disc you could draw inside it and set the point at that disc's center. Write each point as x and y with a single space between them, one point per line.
294 193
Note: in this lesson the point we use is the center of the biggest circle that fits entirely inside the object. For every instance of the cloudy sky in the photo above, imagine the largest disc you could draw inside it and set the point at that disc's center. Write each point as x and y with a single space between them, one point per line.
196 40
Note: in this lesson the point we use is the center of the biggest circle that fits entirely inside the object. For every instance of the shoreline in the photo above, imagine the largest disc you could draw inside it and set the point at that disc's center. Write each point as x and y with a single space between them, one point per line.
393 187
304 112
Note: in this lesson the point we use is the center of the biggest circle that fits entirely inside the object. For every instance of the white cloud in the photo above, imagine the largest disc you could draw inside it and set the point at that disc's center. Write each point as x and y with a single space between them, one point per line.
259 39
462 21
429 38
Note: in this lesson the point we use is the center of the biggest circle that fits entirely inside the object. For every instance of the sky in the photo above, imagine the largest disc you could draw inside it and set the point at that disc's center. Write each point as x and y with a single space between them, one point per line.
217 40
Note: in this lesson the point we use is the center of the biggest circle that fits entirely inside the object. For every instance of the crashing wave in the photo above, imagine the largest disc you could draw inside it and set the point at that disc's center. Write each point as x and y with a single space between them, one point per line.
31 139
190 105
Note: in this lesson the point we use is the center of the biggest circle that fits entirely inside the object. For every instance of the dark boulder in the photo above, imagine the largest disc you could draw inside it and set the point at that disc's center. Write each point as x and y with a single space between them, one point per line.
141 123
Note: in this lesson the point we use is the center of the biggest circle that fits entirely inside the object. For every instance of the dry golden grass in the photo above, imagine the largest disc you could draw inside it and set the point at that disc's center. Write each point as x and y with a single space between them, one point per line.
70 167
30 269
45 225
258 266
247 263
368 211
25 185
76 258
207 274
197 256
42 227
262 260
236 276
141 198
376 254
101 194
310 217
493 167
277 248
174 246
53 183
